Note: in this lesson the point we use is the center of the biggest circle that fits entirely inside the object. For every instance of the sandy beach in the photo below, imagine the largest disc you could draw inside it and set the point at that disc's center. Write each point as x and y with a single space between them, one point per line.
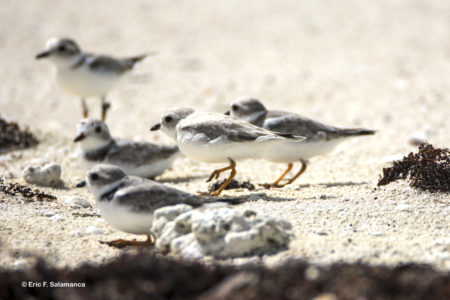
382 65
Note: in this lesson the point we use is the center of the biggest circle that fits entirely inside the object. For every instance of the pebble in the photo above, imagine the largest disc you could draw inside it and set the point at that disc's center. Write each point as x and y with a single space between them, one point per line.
57 218
48 213
78 202
48 175
93 230
404 207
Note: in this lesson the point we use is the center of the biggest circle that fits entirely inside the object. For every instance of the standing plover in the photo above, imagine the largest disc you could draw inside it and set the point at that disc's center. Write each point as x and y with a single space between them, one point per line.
127 203
216 138
86 75
96 145
320 138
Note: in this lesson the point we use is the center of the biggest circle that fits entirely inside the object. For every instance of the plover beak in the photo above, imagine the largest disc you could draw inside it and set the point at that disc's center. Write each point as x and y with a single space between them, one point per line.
79 137
155 127
227 113
42 54
81 184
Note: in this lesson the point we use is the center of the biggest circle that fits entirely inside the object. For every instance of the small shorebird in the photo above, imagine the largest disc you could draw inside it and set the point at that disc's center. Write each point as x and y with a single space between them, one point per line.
320 138
127 203
216 138
86 75
96 145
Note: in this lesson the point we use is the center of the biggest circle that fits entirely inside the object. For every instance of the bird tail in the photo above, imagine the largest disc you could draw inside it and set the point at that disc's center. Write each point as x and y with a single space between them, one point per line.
357 131
131 61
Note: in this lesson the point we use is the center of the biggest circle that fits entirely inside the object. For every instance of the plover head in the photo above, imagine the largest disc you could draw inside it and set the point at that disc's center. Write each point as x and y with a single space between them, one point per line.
103 178
92 134
247 109
170 119
61 51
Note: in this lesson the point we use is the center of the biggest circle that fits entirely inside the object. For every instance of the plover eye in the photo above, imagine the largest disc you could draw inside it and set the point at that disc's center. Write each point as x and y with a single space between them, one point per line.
94 176
234 107
98 129
168 119
62 48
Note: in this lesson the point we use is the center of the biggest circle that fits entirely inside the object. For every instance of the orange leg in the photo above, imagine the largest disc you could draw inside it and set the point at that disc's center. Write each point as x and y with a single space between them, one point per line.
300 172
105 107
215 174
85 108
121 243
276 183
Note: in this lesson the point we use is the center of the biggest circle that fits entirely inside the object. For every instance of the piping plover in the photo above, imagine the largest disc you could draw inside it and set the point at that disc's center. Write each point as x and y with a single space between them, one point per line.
216 138
127 202
86 75
96 145
320 138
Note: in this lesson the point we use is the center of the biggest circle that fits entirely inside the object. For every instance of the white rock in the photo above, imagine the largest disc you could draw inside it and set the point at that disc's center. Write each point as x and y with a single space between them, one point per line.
38 161
93 230
48 213
222 232
20 263
78 202
57 218
404 207
47 175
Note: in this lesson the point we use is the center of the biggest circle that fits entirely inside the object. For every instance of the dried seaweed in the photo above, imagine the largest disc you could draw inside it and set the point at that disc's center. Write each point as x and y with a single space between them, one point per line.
14 189
427 170
13 138
234 184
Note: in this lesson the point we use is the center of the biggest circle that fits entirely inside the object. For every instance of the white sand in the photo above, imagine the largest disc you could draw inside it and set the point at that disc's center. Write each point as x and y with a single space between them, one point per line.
381 65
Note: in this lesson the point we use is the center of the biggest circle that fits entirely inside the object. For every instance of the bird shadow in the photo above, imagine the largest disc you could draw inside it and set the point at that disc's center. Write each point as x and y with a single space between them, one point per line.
332 184
179 179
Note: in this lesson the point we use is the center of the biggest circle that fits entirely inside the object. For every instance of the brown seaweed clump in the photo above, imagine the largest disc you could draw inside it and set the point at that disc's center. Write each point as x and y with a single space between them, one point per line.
427 170
13 138
14 189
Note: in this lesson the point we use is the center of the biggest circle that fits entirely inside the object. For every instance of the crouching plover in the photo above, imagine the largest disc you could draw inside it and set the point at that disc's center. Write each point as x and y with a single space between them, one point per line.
84 74
127 203
216 138
320 138
95 145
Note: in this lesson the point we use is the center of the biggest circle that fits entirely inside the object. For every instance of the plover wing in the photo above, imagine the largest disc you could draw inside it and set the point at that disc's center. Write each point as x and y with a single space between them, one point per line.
291 123
107 64
135 153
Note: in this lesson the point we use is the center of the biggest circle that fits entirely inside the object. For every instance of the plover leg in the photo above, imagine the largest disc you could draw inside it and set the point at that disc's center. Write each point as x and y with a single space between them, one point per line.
276 183
121 243
300 172
105 106
85 108
216 173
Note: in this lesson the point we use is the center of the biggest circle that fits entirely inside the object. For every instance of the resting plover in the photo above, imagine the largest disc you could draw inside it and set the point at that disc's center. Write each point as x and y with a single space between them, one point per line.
216 138
86 75
320 138
127 203
96 145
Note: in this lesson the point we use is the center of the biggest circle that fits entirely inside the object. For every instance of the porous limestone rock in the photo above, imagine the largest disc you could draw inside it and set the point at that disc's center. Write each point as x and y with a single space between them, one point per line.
48 175
222 232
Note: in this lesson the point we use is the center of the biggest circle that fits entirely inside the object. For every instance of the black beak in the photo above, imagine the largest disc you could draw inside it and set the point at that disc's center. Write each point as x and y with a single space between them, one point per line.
42 54
227 113
155 127
81 184
79 137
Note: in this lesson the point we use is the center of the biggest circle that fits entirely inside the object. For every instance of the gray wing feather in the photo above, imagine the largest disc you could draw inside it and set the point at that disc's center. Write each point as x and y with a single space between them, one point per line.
291 123
107 64
234 130
150 195
140 153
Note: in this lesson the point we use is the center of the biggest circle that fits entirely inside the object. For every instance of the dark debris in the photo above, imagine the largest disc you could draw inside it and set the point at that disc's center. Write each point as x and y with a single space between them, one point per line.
151 276
13 138
234 184
427 170
14 189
